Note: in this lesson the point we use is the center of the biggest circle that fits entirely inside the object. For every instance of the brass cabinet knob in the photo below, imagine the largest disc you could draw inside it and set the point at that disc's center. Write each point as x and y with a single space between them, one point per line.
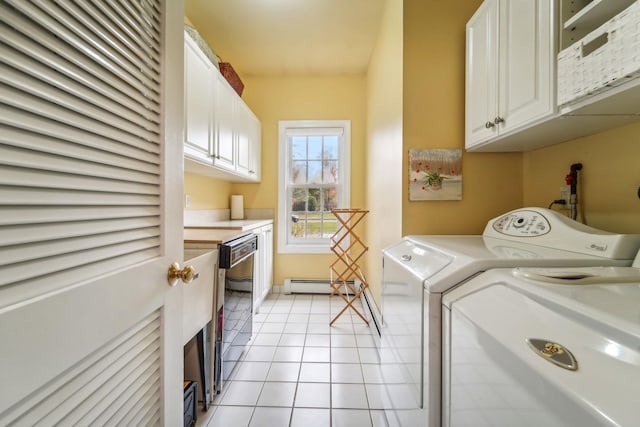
175 273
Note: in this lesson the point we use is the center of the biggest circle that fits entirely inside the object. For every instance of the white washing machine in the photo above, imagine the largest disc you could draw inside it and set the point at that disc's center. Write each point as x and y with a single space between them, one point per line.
552 347
419 269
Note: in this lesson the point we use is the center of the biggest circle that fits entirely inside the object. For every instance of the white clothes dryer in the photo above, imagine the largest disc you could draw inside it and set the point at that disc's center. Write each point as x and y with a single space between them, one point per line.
553 347
418 269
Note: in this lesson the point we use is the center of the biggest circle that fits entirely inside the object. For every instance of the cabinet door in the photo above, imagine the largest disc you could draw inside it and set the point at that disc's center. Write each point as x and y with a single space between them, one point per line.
226 107
526 62
255 147
242 131
198 112
263 266
197 297
482 74
267 273
248 131
258 272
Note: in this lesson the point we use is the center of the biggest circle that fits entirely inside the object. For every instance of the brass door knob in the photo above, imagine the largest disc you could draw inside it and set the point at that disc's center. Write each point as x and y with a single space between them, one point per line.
175 273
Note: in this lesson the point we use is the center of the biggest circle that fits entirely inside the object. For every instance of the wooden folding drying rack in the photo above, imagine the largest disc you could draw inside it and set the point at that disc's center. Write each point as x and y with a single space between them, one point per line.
349 248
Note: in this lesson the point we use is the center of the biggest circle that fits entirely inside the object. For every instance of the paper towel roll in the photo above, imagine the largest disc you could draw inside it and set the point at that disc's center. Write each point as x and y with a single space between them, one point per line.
237 207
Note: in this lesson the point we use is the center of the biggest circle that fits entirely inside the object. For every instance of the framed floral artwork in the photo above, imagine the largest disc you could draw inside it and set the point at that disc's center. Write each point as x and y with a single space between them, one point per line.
435 174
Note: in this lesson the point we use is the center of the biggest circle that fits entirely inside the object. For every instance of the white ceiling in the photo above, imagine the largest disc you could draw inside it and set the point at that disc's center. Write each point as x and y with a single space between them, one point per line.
276 37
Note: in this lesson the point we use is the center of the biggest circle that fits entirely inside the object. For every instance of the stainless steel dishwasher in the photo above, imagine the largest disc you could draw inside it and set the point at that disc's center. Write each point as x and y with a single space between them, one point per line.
234 323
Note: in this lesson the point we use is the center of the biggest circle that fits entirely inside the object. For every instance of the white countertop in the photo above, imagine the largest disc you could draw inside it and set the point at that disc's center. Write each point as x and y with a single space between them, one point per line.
234 224
210 232
211 236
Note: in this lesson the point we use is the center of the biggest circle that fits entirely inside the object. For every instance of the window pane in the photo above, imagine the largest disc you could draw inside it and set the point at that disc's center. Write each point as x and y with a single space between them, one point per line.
329 225
299 200
299 172
330 199
314 225
315 147
330 172
314 201
315 172
329 228
299 148
297 224
331 147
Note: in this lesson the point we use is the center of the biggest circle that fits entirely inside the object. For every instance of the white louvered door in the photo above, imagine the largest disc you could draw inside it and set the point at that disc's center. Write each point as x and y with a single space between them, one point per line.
90 212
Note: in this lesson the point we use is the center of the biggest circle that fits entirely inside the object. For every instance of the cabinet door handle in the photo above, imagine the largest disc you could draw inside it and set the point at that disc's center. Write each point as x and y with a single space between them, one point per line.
489 125
498 120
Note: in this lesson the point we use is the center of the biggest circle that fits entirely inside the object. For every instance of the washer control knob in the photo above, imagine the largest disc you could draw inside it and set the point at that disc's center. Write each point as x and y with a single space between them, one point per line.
519 222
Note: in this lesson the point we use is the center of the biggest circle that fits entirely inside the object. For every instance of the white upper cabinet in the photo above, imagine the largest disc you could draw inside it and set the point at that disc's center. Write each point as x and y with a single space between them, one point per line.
482 74
243 139
510 64
199 90
249 132
226 108
522 94
222 135
527 63
255 146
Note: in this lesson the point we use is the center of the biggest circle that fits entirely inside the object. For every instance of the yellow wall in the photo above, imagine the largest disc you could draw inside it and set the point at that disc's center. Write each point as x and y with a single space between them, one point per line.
303 98
384 144
206 192
434 64
607 184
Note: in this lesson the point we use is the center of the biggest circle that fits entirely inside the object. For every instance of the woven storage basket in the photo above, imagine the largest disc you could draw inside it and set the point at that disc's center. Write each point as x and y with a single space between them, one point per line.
232 77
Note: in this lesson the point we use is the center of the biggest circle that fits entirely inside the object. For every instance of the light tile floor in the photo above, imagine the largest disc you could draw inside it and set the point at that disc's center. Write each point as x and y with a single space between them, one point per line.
299 371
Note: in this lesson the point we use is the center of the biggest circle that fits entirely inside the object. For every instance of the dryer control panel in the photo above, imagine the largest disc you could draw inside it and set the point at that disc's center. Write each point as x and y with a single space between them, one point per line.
522 223
547 228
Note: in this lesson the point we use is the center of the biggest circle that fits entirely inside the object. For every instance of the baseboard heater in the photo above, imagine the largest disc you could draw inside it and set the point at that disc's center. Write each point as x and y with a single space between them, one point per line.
320 286
307 286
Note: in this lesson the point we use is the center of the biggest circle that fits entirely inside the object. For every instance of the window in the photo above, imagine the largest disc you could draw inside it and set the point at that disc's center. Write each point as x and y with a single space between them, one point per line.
314 162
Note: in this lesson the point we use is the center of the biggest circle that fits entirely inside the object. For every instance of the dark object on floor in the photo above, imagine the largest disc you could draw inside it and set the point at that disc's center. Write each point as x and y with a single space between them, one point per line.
190 403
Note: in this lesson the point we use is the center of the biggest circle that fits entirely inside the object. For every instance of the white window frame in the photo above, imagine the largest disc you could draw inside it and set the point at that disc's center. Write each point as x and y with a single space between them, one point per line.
286 128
